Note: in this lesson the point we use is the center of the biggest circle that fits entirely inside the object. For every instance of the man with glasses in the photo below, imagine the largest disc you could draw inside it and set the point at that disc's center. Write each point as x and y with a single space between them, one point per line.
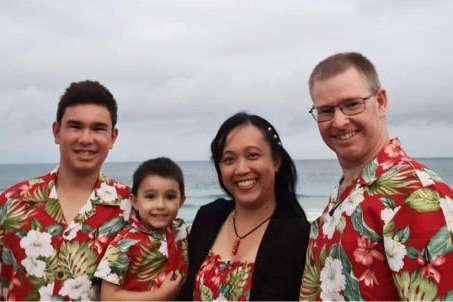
386 232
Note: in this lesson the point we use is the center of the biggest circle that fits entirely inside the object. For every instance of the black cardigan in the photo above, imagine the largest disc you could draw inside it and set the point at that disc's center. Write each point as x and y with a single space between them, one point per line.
280 259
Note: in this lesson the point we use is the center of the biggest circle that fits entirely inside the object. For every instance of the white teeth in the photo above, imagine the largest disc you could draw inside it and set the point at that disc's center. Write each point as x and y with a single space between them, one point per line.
245 183
86 153
346 136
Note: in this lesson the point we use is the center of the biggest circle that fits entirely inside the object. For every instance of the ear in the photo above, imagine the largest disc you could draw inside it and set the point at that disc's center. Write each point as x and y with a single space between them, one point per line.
181 202
382 102
56 132
114 137
278 163
134 202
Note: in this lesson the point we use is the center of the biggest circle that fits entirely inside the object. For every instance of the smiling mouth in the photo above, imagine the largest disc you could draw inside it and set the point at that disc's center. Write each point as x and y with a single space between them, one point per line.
346 136
85 153
246 183
160 215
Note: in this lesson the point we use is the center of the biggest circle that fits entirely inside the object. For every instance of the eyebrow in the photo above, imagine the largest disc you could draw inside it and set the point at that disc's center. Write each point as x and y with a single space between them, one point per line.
95 124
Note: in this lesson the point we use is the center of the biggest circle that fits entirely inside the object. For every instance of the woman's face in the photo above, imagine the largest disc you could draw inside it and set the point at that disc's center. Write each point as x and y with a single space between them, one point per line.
247 167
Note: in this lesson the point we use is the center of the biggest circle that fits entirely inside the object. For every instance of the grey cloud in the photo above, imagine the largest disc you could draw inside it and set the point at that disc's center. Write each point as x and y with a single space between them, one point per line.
179 68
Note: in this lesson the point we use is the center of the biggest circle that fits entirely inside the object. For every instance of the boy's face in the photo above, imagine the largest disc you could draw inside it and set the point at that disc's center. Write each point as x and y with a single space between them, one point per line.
158 201
85 136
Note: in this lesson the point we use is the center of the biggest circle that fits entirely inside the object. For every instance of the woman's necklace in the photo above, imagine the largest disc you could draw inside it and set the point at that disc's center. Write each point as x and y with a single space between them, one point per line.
235 248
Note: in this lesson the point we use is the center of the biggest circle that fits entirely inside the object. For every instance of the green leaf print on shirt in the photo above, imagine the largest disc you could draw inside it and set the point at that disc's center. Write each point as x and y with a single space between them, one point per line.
424 200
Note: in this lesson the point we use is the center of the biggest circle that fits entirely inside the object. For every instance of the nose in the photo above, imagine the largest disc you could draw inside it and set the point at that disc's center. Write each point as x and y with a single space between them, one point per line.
86 136
159 202
339 118
242 166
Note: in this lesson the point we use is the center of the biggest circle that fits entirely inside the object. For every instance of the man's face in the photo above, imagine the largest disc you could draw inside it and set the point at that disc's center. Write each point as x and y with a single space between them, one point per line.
358 138
85 136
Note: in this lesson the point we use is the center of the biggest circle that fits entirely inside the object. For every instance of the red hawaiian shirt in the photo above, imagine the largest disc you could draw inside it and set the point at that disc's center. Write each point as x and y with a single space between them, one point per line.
388 236
44 257
139 258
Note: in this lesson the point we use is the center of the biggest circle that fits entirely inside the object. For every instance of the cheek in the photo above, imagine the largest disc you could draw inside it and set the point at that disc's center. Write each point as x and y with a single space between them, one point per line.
175 209
323 128
226 174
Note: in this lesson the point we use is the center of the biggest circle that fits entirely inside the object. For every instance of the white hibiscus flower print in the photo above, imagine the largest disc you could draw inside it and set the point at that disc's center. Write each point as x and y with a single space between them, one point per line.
332 278
77 288
163 248
447 208
107 193
181 233
45 292
34 267
331 296
330 223
126 206
354 199
104 272
37 244
395 252
424 178
387 214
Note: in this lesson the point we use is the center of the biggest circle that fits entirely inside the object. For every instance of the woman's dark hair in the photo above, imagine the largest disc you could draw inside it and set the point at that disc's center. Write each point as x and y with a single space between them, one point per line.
285 178
161 166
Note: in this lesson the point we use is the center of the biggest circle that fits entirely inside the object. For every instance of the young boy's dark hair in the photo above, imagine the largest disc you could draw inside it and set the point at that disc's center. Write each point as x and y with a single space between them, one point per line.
87 92
161 166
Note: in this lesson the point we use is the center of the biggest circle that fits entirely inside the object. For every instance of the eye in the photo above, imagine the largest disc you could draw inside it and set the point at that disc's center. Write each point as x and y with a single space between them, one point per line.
150 196
74 126
172 196
352 104
227 160
253 155
100 128
325 110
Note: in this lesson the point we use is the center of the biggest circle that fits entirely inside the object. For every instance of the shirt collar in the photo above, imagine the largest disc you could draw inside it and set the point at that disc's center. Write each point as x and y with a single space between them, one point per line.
104 192
391 154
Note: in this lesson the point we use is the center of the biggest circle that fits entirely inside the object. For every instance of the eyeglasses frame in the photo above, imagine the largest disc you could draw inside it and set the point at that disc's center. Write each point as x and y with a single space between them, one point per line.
363 100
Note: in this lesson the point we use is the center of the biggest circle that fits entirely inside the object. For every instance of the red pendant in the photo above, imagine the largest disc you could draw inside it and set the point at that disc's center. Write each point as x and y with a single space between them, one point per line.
235 248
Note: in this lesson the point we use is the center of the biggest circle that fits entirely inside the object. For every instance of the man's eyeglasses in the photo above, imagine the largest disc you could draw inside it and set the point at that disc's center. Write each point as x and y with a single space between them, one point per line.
350 107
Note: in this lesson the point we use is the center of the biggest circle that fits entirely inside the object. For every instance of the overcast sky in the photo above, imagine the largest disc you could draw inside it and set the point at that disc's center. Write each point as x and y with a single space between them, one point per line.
178 69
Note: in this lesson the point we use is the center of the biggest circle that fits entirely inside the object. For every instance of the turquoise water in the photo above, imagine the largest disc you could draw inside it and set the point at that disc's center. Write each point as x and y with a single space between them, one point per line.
316 179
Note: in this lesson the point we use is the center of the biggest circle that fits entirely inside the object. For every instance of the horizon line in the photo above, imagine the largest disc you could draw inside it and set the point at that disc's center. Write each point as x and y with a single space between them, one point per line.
204 160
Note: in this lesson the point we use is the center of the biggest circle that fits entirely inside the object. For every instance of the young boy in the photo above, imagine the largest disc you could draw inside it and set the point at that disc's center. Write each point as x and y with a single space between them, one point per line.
54 228
148 260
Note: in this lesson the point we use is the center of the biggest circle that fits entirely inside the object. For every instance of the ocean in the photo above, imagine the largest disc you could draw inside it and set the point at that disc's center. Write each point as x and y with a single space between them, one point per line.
316 180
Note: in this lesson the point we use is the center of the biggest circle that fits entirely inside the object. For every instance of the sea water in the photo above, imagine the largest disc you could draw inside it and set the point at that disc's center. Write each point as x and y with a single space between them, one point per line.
316 180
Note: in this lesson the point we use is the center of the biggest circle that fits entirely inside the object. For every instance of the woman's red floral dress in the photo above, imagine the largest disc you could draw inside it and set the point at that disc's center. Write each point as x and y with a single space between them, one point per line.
220 279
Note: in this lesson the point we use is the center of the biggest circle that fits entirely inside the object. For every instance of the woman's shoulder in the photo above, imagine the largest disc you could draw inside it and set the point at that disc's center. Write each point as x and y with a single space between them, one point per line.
214 212
218 205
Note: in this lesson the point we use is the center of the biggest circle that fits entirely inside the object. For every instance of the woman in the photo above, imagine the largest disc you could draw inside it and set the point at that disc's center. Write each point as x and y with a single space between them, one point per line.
253 246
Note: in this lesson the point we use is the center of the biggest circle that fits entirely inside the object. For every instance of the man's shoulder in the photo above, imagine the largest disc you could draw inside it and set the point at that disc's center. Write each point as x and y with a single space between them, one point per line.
22 189
108 184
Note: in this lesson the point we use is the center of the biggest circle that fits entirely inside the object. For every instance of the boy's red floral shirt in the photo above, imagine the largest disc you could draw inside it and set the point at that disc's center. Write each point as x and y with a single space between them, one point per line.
139 258
42 256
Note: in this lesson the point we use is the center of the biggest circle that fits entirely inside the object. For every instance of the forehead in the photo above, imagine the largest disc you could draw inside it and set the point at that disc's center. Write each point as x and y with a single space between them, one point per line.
348 84
244 136
157 182
87 113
